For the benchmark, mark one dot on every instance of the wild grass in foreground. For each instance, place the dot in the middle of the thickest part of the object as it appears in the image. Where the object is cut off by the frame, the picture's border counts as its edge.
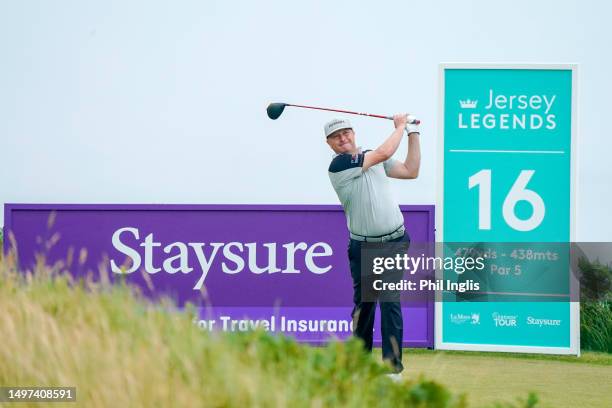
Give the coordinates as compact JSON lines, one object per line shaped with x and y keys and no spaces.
{"x":119,"y":350}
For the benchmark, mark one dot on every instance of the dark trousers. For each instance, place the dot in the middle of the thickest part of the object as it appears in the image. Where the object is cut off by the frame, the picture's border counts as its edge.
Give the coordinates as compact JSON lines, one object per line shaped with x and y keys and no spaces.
{"x":392,"y":324}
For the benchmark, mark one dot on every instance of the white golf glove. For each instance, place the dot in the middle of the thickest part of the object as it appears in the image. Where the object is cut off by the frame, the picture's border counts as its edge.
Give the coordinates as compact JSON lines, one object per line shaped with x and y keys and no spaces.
{"x":412,"y":127}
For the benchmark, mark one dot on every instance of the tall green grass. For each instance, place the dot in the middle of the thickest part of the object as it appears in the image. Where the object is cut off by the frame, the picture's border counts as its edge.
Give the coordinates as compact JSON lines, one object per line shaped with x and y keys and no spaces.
{"x":596,"y":326}
{"x":595,"y":306}
{"x":119,"y":350}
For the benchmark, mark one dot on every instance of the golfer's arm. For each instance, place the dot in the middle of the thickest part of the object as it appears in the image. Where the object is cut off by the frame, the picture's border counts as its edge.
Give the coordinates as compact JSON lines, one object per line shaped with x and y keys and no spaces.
{"x":409,"y":169}
{"x":384,"y":151}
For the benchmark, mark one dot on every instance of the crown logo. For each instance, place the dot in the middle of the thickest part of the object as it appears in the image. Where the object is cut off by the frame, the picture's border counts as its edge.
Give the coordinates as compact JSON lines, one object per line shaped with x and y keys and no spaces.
{"x":468,"y":104}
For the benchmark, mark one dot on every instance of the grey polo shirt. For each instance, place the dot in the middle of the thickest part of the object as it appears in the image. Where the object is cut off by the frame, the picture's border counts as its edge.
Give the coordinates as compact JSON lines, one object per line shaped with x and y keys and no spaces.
{"x":370,"y":208}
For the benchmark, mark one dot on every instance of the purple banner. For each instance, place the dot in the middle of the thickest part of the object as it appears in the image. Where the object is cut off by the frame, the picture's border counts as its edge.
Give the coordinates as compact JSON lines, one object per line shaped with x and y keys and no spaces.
{"x":237,"y":262}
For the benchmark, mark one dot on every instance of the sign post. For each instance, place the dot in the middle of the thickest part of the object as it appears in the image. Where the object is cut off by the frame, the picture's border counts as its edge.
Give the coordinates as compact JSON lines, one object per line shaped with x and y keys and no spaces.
{"x":507,"y":181}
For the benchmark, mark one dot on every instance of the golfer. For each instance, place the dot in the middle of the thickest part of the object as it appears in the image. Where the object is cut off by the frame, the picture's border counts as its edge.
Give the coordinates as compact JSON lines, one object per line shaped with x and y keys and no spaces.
{"x":360,"y":179}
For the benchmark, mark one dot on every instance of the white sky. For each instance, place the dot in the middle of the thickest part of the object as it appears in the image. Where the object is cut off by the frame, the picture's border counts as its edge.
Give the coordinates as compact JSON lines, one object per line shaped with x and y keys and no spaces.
{"x":164,"y":102}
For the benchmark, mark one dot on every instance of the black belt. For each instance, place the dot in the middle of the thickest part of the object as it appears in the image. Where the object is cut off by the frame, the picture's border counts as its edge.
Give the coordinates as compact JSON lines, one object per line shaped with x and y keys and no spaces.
{"x":381,"y":238}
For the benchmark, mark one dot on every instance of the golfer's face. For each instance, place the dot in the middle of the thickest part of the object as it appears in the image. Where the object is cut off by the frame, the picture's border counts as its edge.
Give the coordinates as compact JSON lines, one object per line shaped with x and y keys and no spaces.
{"x":342,"y":141}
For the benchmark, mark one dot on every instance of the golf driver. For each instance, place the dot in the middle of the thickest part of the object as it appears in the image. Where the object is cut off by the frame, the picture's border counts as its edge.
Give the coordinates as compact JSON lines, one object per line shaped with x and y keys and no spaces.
{"x":276,"y":109}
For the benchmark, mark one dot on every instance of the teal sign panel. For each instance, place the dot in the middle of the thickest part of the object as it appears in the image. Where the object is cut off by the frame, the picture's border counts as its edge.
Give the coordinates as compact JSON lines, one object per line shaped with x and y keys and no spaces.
{"x":507,"y":184}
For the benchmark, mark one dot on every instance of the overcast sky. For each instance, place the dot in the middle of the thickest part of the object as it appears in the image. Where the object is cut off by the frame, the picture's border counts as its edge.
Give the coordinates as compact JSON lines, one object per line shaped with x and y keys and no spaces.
{"x":164,"y":102}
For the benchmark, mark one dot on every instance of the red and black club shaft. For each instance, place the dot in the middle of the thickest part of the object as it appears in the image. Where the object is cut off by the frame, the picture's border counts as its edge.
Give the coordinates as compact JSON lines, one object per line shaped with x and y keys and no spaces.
{"x":274,"y":111}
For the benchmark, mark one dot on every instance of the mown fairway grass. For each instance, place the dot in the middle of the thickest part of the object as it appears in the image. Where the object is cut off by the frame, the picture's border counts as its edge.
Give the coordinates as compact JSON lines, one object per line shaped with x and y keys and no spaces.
{"x":559,"y":381}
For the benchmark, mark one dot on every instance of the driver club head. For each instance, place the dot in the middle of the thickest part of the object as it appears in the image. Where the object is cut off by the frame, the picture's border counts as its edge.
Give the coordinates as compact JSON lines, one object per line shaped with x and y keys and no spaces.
{"x":274,"y":110}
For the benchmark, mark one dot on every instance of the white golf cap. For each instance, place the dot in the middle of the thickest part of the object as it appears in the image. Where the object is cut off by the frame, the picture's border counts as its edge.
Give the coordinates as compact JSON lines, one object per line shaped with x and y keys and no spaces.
{"x":336,"y":124}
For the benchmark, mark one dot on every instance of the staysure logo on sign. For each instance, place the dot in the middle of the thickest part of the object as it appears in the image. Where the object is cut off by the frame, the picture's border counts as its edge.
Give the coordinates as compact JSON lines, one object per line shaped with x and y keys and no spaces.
{"x":230,"y":257}
{"x":534,"y":321}
{"x":503,"y":111}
